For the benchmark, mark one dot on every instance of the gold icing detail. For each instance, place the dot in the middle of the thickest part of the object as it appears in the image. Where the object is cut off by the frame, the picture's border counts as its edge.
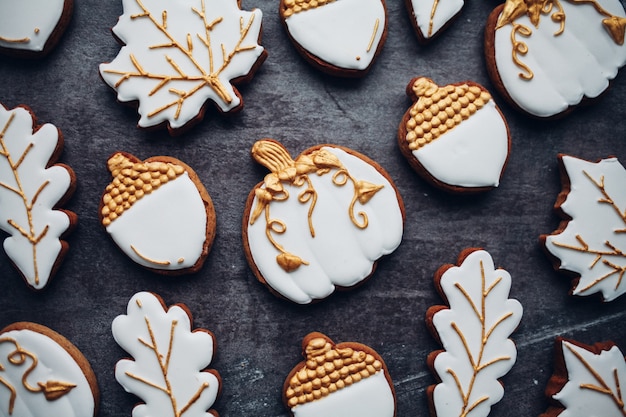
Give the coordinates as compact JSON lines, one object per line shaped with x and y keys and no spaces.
{"x":205,"y":78}
{"x":284,"y":169}
{"x":520,"y":48}
{"x":369,"y":45}
{"x":51,"y":389}
{"x":131,"y":182}
{"x":439,"y":109}
{"x":291,"y":7}
{"x":10,"y":40}
{"x":433,"y":10}
{"x":328,"y":369}
{"x":145,"y":258}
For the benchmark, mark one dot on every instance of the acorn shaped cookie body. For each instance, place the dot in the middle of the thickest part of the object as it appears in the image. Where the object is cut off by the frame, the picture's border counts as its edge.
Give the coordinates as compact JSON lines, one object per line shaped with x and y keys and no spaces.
{"x":547,"y":57}
{"x":454,"y":136}
{"x":344,"y":380}
{"x":158,"y":213}
{"x":340,"y":37}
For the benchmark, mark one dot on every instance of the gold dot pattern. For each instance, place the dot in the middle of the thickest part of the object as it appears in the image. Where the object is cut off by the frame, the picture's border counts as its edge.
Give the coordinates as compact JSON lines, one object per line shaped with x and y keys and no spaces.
{"x":132,"y":181}
{"x":440,"y":109}
{"x":291,"y":7}
{"x":328,"y":369}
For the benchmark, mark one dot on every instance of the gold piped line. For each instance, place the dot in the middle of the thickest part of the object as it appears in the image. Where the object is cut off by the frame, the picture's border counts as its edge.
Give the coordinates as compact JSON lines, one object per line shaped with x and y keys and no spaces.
{"x":145,"y":258}
{"x":369,"y":46}
{"x":432,"y":18}
{"x":22,"y":40}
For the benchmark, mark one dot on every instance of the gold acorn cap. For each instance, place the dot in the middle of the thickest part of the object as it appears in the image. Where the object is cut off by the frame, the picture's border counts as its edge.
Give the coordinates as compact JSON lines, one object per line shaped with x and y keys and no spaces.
{"x":132,"y":180}
{"x":439,"y":109}
{"x":291,"y":7}
{"x":328,"y":369}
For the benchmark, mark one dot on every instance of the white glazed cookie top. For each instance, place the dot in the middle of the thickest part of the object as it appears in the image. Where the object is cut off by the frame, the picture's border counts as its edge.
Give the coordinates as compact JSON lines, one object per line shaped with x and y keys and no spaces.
{"x":27,"y":24}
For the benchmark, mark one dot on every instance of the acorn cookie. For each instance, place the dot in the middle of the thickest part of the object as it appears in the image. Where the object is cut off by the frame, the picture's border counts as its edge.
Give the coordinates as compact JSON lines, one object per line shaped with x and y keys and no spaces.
{"x":454,"y":136}
{"x":344,"y":380}
{"x":431,"y":17}
{"x":158,"y":212}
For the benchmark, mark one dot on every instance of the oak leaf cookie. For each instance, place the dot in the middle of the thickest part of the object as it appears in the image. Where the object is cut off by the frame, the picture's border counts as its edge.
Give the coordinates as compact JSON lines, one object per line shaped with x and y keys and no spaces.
{"x":454,"y":136}
{"x":339,"y":37}
{"x":589,"y":243}
{"x":32,"y":28}
{"x":158,"y":212}
{"x":319,"y":222}
{"x":587,"y":380}
{"x":179,"y":55}
{"x":32,"y":187}
{"x":168,"y":369}
{"x":546,"y":57}
{"x":43,"y":374}
{"x":344,"y":380}
{"x":474,"y":331}
{"x":431,"y":17}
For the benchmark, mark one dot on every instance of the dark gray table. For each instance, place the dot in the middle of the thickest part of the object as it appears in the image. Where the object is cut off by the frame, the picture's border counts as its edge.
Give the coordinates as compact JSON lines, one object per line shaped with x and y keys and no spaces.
{"x":259,"y":335}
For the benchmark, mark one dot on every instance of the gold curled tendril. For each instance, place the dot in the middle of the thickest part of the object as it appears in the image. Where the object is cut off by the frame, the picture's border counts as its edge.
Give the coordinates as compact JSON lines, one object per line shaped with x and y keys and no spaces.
{"x":520,"y":48}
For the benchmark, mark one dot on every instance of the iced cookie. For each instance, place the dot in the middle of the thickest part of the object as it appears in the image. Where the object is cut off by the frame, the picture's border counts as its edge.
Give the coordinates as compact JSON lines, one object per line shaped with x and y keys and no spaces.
{"x":32,"y":28}
{"x":178,"y":56}
{"x":587,"y":380}
{"x":43,"y":374}
{"x":339,"y":37}
{"x":319,"y":222}
{"x":159,"y":213}
{"x":168,"y":369}
{"x":455,"y":136}
{"x":32,"y":187}
{"x":590,"y":241}
{"x":546,"y":57}
{"x":431,"y":17}
{"x":474,"y":330}
{"x":343,"y":380}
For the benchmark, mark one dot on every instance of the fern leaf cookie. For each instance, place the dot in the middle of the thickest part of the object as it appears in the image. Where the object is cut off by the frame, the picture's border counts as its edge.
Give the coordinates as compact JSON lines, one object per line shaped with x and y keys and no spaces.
{"x":454,"y":136}
{"x":158,"y":212}
{"x":431,"y":17}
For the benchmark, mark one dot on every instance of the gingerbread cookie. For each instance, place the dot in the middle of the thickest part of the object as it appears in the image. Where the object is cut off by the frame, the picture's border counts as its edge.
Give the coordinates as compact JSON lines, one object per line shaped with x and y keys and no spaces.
{"x":319,"y":222}
{"x":338,"y":37}
{"x":546,"y":57}
{"x":343,"y":380}
{"x":455,"y":136}
{"x":32,"y":28}
{"x":474,"y":331}
{"x":180,"y":55}
{"x":431,"y":17}
{"x":168,"y":369}
{"x":590,"y":240}
{"x":43,"y":374}
{"x":159,"y":213}
{"x":587,"y":380}
{"x":32,"y":186}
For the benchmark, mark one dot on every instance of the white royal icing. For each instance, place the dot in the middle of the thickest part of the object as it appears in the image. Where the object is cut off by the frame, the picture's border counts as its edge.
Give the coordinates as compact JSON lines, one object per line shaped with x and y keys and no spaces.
{"x":444,"y":11}
{"x":578,"y":63}
{"x":479,"y":385}
{"x":185,"y":26}
{"x":187,"y":354}
{"x":472,"y":154}
{"x":340,"y":32}
{"x":54,"y":363}
{"x":372,"y":396}
{"x":166,"y":225}
{"x":32,"y":174}
{"x":596,"y":223}
{"x":27,"y":24}
{"x":340,"y":254}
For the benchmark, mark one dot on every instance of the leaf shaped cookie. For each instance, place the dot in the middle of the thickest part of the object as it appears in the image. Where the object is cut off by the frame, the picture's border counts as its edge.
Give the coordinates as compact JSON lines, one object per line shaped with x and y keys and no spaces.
{"x":179,"y":55}
{"x":474,"y":331}
{"x":430,"y":17}
{"x":588,"y":380}
{"x":31,"y":187}
{"x":591,"y":240}
{"x":168,"y":369}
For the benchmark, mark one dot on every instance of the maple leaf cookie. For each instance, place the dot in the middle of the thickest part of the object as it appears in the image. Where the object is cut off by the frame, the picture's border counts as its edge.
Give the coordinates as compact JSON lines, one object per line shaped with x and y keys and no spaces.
{"x":548,"y":56}
{"x":159,"y":213}
{"x":43,"y":374}
{"x":339,"y":37}
{"x":179,"y":55}
{"x":590,"y":240}
{"x":319,"y":222}
{"x":454,"y":136}
{"x":431,"y":17}
{"x":32,"y":187}
{"x":344,"y":380}
{"x":32,"y":28}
